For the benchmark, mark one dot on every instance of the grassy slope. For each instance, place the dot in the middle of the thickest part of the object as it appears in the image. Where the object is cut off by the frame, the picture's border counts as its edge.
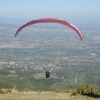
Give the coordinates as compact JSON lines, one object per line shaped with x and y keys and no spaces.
{"x":42,"y":96}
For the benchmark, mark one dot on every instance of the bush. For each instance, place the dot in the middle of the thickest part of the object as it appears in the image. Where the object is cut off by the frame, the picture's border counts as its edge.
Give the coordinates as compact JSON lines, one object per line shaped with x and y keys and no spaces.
{"x":59,"y":91}
{"x":74,"y":93}
{"x":1,"y":91}
{"x":8,"y":91}
{"x":4,"y":91}
{"x":86,"y":90}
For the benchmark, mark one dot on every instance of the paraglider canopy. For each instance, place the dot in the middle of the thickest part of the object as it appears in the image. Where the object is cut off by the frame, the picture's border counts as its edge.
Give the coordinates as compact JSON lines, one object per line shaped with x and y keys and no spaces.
{"x":51,"y":20}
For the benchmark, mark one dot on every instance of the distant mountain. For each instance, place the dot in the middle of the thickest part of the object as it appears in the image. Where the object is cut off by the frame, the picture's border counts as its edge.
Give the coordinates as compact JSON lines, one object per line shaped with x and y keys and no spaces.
{"x":8,"y":20}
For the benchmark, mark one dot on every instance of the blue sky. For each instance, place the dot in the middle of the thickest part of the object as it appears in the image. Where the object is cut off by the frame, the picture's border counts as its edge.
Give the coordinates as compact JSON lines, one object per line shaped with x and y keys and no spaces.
{"x":64,"y":9}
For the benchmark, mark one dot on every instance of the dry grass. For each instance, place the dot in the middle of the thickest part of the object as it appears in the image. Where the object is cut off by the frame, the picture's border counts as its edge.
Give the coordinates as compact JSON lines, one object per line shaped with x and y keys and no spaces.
{"x":42,"y":96}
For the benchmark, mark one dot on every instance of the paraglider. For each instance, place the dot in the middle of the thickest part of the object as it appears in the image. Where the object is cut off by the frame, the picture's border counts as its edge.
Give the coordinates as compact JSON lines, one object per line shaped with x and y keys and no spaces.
{"x":47,"y":73}
{"x":51,"y":20}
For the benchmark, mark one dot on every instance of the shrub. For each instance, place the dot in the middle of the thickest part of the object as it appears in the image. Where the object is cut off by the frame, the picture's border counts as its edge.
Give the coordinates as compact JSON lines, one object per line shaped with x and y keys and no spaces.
{"x":86,"y":90}
{"x":8,"y":91}
{"x":59,"y":91}
{"x":74,"y":93}
{"x":4,"y":91}
{"x":1,"y":91}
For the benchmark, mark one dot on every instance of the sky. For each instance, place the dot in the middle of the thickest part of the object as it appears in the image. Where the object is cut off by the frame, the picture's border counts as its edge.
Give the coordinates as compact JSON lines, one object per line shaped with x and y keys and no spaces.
{"x":64,"y":9}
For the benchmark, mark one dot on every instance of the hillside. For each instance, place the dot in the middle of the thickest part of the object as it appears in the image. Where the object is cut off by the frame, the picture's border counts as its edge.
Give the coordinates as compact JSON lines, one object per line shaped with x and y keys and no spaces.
{"x":42,"y":96}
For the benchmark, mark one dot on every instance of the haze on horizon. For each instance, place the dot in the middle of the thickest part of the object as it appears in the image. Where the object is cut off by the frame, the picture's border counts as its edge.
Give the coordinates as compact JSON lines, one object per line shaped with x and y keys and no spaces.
{"x":24,"y":10}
